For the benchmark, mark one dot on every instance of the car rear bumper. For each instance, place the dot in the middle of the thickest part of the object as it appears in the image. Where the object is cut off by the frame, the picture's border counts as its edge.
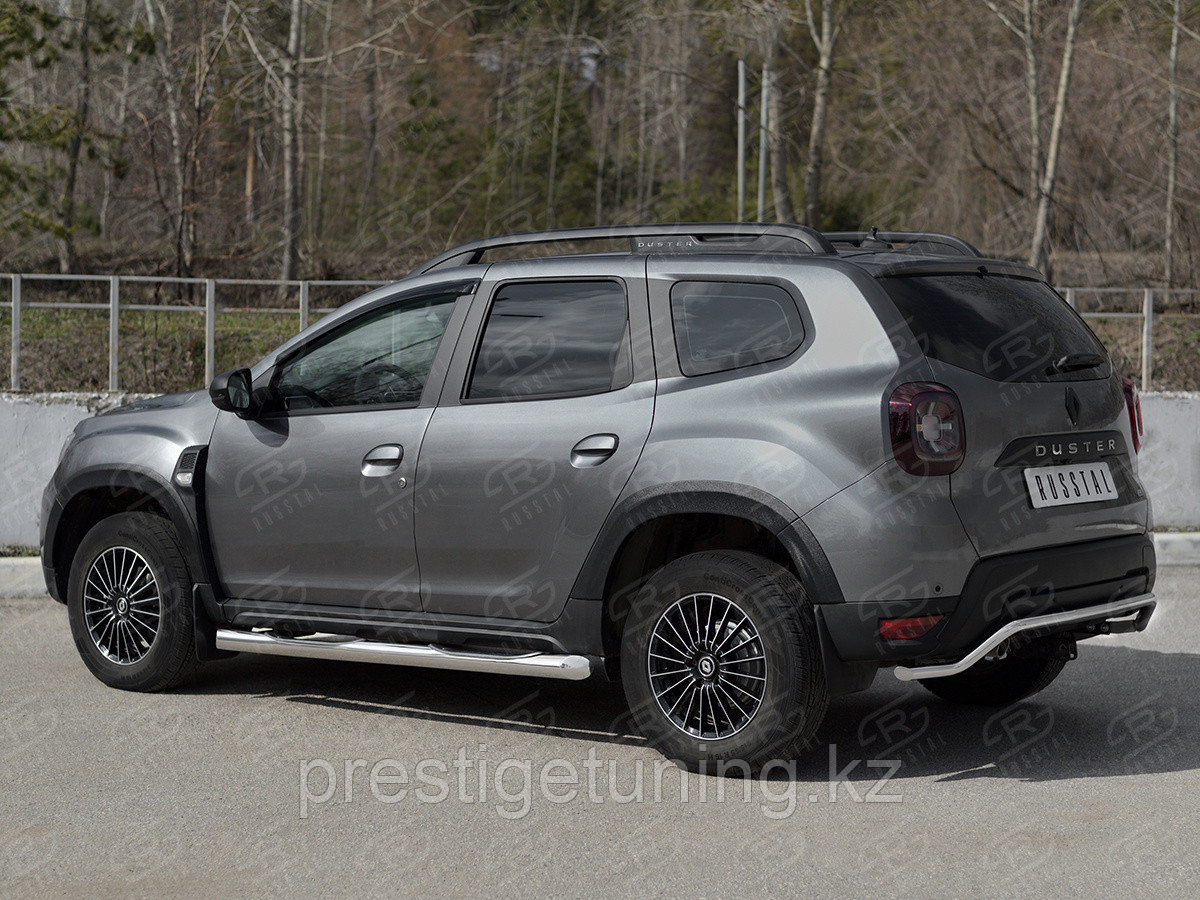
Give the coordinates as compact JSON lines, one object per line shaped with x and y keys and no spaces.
{"x":998,"y":591}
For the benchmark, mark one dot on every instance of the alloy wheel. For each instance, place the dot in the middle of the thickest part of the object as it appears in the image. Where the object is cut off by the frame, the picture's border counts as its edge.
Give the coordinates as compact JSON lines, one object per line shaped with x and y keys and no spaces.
{"x":707,"y":666}
{"x":122,"y":605}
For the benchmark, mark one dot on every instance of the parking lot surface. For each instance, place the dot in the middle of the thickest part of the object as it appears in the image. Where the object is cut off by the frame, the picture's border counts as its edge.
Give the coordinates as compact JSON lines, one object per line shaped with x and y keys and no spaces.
{"x":293,"y":776}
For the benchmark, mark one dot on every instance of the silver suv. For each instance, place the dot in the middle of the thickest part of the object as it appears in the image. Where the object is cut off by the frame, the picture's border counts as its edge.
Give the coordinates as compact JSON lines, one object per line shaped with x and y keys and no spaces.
{"x":739,"y":467}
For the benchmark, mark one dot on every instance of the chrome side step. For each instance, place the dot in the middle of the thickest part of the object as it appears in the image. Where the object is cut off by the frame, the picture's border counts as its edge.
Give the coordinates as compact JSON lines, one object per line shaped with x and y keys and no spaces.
{"x":327,"y":646}
{"x":1143,"y":605}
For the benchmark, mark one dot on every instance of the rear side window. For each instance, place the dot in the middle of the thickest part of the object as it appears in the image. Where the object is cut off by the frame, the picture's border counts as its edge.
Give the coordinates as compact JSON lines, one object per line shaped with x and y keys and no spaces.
{"x":723,"y":325}
{"x":553,"y":339}
{"x":1008,"y":329}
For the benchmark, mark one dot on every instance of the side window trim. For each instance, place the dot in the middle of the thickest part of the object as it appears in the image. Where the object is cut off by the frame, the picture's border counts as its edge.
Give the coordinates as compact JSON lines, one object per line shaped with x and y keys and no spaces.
{"x":481,"y":331}
{"x":464,"y":291}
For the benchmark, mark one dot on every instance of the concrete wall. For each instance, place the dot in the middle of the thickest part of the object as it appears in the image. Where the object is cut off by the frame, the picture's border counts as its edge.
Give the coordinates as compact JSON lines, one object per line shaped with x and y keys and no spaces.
{"x":1169,"y":464}
{"x":34,"y":427}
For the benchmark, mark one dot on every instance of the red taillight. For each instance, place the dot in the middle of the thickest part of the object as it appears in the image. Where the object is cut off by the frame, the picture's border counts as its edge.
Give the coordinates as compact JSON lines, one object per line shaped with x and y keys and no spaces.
{"x":1133,"y":405}
{"x":925,"y":422}
{"x":906,"y":629}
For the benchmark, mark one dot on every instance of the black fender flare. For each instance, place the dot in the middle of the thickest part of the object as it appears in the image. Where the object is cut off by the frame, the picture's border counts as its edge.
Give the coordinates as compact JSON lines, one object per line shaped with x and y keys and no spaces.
{"x":708,"y":497}
{"x":743,"y":502}
{"x":182,"y":512}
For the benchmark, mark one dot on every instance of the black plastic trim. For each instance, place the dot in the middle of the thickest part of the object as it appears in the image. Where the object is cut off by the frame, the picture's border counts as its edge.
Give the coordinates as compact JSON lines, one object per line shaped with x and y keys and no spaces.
{"x":700,"y":498}
{"x":998,"y":590}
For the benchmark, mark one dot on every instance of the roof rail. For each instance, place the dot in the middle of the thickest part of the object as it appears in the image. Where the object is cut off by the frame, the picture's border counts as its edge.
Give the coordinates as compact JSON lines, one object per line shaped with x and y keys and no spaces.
{"x":740,"y":236}
{"x":913,"y":238}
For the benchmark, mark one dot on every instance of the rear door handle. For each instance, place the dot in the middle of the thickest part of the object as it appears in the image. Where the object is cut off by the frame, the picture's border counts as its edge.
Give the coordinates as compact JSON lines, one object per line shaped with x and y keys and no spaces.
{"x":593,"y":450}
{"x":382,"y":460}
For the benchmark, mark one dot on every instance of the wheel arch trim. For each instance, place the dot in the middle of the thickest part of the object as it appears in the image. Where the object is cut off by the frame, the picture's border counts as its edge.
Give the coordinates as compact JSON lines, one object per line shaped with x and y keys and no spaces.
{"x":707,"y":498}
{"x":136,"y":478}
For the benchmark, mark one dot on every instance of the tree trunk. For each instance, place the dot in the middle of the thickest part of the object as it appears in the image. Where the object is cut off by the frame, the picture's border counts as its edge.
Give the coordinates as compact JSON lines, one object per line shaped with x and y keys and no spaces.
{"x":318,"y":199}
{"x":1037,"y":250}
{"x":292,"y":183}
{"x":370,"y":116}
{"x":1033,"y":91}
{"x":784,"y":210}
{"x":164,"y":49}
{"x":248,"y":185}
{"x":556,"y":122}
{"x":122,"y":115}
{"x":1172,"y":147}
{"x":816,"y":135}
{"x":66,"y":242}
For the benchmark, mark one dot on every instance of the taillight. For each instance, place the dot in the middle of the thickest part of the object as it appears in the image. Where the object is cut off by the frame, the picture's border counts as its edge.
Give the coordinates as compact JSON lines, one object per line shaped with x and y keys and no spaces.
{"x":926,"y":425}
{"x":1133,"y":405}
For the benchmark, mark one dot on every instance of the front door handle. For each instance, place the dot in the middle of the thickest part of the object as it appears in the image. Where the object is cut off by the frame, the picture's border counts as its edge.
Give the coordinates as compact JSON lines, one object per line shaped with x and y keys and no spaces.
{"x":593,"y":450}
{"x":382,"y":460}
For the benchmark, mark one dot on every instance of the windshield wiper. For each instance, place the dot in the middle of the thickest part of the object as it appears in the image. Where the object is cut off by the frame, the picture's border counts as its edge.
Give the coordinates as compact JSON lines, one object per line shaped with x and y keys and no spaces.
{"x":1073,"y":362}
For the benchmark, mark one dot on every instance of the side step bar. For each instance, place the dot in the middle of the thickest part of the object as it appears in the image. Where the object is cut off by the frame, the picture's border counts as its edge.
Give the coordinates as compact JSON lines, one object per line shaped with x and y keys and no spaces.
{"x":1143,"y":605}
{"x":544,"y":665}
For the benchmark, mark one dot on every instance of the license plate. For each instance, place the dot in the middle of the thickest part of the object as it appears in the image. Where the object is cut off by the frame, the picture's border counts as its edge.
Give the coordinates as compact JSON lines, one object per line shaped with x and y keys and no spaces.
{"x":1062,"y":485}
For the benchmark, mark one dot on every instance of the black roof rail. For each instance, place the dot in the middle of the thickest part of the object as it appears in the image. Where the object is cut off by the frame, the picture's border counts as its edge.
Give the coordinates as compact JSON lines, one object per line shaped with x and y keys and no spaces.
{"x":914,"y":238}
{"x":755,"y":237}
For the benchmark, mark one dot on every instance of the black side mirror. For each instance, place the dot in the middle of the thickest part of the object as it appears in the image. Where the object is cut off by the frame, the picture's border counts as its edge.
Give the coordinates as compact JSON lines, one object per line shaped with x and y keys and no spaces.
{"x":232,"y":392}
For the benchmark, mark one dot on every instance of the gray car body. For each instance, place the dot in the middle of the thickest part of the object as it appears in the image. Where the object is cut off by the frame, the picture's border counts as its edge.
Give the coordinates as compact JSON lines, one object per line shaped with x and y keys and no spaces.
{"x":797,"y":447}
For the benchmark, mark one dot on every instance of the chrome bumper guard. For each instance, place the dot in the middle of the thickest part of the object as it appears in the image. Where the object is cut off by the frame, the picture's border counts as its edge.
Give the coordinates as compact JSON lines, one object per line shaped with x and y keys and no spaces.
{"x":1142,"y":605}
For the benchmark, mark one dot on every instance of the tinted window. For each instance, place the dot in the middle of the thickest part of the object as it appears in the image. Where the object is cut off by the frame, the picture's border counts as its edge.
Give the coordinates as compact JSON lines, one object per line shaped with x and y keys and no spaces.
{"x":1009,"y":329}
{"x":724,"y":325}
{"x":552,"y":339}
{"x":380,"y":358}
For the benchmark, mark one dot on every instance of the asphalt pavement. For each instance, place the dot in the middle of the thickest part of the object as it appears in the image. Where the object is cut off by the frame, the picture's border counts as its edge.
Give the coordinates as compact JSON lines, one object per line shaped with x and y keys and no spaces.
{"x":291,"y":776}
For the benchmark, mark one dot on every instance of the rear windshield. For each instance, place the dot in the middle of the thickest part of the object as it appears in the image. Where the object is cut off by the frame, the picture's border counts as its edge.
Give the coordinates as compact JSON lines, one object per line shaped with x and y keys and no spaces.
{"x":1008,"y":329}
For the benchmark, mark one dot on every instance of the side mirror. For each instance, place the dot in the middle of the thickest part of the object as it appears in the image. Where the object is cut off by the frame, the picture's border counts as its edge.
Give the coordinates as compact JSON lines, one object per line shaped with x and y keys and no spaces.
{"x":233,"y":392}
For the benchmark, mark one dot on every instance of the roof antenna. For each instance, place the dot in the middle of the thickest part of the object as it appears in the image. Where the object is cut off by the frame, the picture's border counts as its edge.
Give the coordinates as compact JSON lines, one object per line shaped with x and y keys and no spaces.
{"x":874,"y":232}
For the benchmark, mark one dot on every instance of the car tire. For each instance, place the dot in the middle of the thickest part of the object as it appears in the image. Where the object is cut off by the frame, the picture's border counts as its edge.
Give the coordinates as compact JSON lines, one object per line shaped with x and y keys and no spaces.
{"x":129,"y":602}
{"x":1022,"y":673}
{"x":754,"y":691}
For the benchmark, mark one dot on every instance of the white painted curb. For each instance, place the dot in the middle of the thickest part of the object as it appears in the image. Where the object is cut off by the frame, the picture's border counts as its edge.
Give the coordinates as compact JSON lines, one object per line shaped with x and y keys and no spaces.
{"x":1177,"y":548}
{"x":21,"y":576}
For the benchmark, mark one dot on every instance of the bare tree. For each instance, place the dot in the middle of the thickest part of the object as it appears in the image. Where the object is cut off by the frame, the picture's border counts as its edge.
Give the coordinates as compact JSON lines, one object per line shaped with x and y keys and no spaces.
{"x":293,"y":181}
{"x":824,"y":31}
{"x":1037,"y":250}
{"x":1172,"y":145}
{"x":83,"y":100}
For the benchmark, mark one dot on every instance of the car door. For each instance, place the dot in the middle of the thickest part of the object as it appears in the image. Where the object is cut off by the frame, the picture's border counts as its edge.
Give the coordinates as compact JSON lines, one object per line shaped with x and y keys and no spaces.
{"x":311,"y":502}
{"x":545,"y":411}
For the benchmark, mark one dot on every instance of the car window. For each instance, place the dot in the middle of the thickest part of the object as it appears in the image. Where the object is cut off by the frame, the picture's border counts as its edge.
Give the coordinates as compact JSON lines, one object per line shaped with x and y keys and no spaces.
{"x":723,"y":325}
{"x":553,"y":339}
{"x":1008,"y":329}
{"x":379,"y":358}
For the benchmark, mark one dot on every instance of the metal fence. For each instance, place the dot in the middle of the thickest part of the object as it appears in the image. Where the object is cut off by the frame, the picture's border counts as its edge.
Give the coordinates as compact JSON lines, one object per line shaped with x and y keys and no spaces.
{"x":1082,"y":298}
{"x":210,"y":310}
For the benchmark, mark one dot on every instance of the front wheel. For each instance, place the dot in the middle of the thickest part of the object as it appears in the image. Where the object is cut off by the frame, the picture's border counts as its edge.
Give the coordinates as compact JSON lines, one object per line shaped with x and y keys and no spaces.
{"x":721,"y":662}
{"x":129,"y":603}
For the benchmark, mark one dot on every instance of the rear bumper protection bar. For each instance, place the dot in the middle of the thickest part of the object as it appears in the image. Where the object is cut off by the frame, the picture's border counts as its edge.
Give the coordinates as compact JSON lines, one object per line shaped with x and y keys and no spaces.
{"x":544,"y":665}
{"x":1142,"y":605}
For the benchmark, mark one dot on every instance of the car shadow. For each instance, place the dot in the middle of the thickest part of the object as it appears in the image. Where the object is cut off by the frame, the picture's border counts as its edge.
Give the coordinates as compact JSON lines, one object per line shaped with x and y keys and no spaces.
{"x":1114,"y":711}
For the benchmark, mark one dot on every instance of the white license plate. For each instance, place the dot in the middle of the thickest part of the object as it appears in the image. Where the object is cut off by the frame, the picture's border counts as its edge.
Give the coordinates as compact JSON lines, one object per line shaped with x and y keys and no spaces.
{"x":1062,"y":485}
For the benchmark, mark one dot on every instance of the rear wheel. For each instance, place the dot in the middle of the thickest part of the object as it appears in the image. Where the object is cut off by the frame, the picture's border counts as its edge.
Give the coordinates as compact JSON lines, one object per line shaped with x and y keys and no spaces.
{"x":129,"y":602}
{"x":721,"y":663}
{"x":1022,"y":673}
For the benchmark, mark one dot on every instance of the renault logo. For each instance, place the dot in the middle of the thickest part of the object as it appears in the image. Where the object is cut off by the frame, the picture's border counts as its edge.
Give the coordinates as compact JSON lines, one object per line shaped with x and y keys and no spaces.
{"x":1073,"y":406}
